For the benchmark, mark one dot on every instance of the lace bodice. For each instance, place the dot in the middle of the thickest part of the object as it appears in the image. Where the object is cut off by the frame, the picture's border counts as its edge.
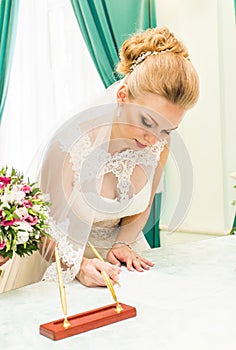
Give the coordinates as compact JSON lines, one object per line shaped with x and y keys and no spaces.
{"x":121,"y":164}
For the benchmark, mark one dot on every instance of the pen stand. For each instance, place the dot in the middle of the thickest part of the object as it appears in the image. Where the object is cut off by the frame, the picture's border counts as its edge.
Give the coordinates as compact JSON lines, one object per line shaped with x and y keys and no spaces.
{"x":87,"y":321}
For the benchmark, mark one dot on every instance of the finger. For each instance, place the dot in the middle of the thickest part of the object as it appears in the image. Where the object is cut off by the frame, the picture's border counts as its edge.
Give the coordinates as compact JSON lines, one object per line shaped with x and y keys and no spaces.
{"x":94,"y":279}
{"x":129,"y":263}
{"x":113,"y":260}
{"x":147,"y":262}
{"x":144,"y":265}
{"x":137,"y":264}
{"x":113,"y":272}
{"x":101,"y":281}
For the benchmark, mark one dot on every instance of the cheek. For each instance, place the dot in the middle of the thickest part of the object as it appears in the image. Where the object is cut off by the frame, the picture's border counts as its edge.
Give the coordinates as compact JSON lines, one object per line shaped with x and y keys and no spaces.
{"x":134,"y":130}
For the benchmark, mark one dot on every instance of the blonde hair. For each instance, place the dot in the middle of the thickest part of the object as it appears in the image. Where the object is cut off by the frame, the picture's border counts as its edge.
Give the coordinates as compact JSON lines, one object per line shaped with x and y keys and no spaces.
{"x":166,"y":70}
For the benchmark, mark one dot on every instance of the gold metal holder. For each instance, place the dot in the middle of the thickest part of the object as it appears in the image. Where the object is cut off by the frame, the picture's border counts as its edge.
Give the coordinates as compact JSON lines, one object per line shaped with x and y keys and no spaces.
{"x":87,"y":320}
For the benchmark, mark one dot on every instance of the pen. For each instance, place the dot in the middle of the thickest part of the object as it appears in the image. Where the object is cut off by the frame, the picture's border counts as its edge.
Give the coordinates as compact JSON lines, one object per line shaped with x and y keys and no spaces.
{"x":99,"y":257}
{"x":107,"y":280}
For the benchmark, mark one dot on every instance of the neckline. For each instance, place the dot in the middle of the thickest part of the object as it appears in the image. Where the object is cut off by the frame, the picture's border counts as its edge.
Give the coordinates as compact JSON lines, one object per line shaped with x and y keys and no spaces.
{"x":131,"y":198}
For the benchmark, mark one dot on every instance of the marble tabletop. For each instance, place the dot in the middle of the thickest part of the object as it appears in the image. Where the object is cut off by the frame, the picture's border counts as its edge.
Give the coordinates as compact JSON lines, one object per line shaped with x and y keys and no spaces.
{"x":187,"y":301}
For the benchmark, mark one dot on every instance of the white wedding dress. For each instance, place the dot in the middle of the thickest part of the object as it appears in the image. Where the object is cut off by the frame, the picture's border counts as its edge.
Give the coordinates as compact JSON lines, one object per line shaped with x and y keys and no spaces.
{"x":106,"y":223}
{"x":91,"y":214}
{"x":106,"y":212}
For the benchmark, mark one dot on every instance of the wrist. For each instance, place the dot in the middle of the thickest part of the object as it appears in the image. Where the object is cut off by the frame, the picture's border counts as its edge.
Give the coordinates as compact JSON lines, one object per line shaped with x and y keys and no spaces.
{"x":121,"y":243}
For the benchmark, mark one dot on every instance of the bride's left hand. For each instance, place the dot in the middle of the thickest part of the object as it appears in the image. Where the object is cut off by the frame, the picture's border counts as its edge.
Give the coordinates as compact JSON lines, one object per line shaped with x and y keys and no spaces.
{"x":124,"y":254}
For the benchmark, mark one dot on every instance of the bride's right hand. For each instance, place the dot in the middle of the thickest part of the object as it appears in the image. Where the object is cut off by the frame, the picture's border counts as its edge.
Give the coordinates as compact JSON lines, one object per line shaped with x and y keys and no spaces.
{"x":90,"y":272}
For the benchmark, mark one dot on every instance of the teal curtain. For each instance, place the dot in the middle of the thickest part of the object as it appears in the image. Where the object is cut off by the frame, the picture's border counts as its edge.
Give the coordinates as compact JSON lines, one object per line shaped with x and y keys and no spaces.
{"x":105,"y":24}
{"x":8,"y":24}
{"x":151,"y":229}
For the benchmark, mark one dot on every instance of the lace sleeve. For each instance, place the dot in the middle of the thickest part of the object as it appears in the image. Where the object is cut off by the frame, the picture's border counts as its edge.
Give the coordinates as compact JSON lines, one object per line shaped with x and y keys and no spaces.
{"x":70,"y":256}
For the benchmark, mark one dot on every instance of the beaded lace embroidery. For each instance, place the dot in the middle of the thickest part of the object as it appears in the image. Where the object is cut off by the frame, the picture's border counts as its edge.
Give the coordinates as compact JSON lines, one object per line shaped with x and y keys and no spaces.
{"x":120,"y":164}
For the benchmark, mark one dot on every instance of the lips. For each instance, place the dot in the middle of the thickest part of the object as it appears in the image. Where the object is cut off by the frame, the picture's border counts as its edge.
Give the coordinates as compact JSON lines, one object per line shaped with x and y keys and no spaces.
{"x":140,"y":145}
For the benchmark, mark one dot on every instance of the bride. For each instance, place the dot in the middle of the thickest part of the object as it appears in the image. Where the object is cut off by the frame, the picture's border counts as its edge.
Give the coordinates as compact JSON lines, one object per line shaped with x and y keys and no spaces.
{"x":102,"y":167}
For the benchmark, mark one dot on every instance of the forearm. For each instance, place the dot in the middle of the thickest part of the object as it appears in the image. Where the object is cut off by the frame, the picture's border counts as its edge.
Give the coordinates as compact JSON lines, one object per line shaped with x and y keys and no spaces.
{"x":131,"y":226}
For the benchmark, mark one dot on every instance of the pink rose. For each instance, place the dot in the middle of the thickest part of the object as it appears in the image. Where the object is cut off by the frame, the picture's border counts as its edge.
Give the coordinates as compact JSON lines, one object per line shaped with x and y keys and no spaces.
{"x":2,"y":244}
{"x":27,"y":204}
{"x":8,"y":223}
{"x":32,"y":220}
{"x":26,"y":189}
{"x":5,"y":180}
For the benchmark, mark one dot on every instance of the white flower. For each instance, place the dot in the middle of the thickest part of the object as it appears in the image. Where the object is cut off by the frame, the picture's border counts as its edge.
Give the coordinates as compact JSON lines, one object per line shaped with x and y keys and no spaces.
{"x":22,"y":237}
{"x":36,"y":208}
{"x":15,"y":196}
{"x":4,"y":200}
{"x":21,"y":212}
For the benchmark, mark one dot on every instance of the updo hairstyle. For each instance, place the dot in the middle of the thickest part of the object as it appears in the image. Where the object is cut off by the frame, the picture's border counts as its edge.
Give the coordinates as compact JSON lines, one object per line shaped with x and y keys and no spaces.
{"x":166,"y":71}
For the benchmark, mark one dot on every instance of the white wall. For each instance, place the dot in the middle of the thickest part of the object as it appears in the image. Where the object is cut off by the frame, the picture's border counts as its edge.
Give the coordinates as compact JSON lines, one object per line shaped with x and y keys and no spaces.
{"x":209,"y":129}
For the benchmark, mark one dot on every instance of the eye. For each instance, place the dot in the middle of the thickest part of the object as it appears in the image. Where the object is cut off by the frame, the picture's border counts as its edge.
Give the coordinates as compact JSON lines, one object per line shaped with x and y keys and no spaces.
{"x":146,"y":122}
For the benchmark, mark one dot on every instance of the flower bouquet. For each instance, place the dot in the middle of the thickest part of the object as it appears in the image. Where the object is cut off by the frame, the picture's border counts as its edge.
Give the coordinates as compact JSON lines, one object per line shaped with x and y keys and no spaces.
{"x":24,"y":215}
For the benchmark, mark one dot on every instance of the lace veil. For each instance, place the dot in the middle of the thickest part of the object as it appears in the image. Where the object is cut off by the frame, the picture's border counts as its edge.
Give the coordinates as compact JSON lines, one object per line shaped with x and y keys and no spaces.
{"x":72,"y":172}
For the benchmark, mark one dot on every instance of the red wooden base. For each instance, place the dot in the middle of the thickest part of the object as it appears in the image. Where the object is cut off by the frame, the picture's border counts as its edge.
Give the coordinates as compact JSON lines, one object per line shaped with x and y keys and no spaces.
{"x":86,"y":321}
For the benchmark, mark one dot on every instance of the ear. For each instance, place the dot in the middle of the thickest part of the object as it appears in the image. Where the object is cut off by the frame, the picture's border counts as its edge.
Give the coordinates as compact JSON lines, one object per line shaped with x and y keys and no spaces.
{"x":122,"y":93}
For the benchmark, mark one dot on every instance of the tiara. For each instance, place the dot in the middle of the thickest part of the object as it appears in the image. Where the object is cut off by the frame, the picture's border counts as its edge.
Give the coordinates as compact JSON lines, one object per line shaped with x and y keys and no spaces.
{"x":141,"y":58}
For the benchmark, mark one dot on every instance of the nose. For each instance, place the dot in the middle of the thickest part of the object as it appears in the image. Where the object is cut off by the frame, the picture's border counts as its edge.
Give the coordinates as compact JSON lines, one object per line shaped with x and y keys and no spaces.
{"x":151,"y":139}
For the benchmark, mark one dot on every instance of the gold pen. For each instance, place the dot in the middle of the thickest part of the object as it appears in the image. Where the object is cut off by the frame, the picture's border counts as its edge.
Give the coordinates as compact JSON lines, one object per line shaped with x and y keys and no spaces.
{"x":62,"y":289}
{"x":107,"y":280}
{"x":99,"y":257}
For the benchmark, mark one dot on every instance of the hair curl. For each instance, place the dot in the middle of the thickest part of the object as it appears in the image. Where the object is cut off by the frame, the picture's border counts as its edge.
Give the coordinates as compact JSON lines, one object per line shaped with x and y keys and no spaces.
{"x":169,"y":73}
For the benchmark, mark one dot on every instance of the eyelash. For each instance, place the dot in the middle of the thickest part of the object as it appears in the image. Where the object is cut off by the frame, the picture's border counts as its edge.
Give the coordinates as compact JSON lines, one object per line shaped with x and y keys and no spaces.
{"x":144,"y":121}
{"x":166,"y":132}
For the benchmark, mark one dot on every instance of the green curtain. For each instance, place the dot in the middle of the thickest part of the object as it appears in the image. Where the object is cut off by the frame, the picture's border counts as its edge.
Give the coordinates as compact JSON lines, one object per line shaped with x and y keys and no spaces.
{"x":151,"y":229}
{"x":105,"y":24}
{"x":8,"y":23}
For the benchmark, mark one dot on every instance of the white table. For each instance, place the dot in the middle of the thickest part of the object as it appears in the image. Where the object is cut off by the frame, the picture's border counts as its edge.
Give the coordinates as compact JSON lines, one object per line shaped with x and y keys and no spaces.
{"x":187,"y":301}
